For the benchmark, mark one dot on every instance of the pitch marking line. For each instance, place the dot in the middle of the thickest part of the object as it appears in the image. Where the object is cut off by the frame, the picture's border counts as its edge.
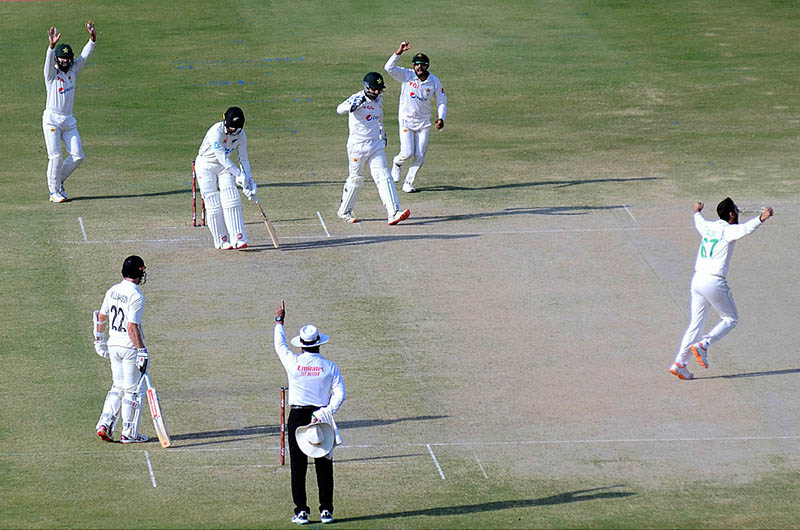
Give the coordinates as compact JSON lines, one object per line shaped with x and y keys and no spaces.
{"x":441,"y":473}
{"x":480,"y":465}
{"x":323,"y":225}
{"x":629,"y":213}
{"x":83,"y":229}
{"x":150,"y":468}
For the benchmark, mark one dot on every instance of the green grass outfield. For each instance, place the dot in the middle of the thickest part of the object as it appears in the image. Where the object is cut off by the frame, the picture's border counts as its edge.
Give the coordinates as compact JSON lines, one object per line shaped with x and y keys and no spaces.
{"x":563,"y":117}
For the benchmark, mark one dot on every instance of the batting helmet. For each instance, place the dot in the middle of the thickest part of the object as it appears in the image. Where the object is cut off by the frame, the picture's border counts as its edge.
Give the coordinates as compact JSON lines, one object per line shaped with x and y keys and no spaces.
{"x":133,"y":267}
{"x":420,"y":58}
{"x":374,"y":80}
{"x":65,"y":51}
{"x":234,"y":118}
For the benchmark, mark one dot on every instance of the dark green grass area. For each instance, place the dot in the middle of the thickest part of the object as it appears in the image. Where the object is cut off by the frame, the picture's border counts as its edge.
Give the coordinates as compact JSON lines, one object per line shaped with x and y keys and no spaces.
{"x":551,"y":104}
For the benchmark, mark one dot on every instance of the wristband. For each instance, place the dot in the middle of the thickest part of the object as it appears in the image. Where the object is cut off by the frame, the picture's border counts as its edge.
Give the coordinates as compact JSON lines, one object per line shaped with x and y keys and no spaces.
{"x":279,"y":320}
{"x":141,"y":351}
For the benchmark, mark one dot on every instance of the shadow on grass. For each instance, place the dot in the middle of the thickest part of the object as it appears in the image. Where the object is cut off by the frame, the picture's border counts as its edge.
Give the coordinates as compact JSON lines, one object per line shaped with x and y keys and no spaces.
{"x":348,"y":241}
{"x":543,"y":210}
{"x":554,"y":183}
{"x":466,"y":509}
{"x":752,"y":374}
{"x":232,"y":435}
{"x":188,"y":190}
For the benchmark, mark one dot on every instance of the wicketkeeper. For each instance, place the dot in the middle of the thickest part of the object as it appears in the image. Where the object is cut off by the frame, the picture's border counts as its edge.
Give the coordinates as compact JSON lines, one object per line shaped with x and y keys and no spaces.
{"x":366,"y":147}
{"x":61,"y":71}
{"x":213,"y":166}
{"x":418,"y":88}
{"x":121,"y":312}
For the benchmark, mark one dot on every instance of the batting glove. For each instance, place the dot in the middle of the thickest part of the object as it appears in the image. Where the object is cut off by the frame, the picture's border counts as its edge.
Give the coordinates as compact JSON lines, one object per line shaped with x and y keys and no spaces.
{"x":249,"y":189}
{"x":101,"y":348}
{"x":142,"y":358}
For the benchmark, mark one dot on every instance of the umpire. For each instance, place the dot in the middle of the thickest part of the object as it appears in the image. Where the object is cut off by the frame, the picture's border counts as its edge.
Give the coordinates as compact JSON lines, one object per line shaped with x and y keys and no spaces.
{"x":316,"y":391}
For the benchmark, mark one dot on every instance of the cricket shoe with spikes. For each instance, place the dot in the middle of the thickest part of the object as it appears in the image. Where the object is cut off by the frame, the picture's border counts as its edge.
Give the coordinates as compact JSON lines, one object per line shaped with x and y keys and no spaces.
{"x":57,"y":197}
{"x":300,"y":518}
{"x":399,"y":216}
{"x":395,"y":173}
{"x":226,"y":245}
{"x":349,"y":217}
{"x":138,"y":439}
{"x":700,"y":353}
{"x":104,"y":432}
{"x":240,"y":245}
{"x":408,"y":188}
{"x":680,"y":371}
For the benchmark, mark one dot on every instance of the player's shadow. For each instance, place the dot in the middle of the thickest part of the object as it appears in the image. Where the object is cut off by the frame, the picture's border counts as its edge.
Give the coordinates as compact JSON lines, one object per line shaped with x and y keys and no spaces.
{"x":514,"y":185}
{"x":332,"y":242}
{"x":593,"y":494}
{"x":751,"y":374}
{"x":129,"y":195}
{"x":541,"y":210}
{"x":243,"y":433}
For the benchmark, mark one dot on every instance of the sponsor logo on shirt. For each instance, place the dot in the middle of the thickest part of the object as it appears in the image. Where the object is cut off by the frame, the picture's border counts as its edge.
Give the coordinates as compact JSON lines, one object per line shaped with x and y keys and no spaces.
{"x":309,"y":371}
{"x":369,"y":117}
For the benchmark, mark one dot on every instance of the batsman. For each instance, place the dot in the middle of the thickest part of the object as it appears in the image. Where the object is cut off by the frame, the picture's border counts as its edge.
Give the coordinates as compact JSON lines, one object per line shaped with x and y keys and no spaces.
{"x":214,"y":167}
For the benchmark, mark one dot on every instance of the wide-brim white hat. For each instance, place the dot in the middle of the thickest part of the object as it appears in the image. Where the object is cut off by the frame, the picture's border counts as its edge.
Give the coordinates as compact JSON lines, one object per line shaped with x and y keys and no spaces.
{"x":316,"y":439}
{"x":309,"y":337}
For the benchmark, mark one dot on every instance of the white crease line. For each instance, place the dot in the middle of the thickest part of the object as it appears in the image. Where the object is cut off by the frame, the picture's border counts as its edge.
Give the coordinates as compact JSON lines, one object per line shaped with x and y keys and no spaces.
{"x":481,"y":466}
{"x":109,"y":241}
{"x":150,"y":468}
{"x":629,"y":213}
{"x":249,"y":448}
{"x":323,"y":224}
{"x":83,"y":229}
{"x":441,"y":474}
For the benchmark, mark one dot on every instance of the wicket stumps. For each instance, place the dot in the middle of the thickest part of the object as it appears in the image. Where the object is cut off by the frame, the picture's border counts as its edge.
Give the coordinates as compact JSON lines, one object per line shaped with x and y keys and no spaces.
{"x":283,"y":424}
{"x":194,"y":201}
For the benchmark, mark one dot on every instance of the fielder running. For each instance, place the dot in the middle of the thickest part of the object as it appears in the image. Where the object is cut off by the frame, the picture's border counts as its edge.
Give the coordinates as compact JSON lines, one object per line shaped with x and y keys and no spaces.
{"x":58,"y":123}
{"x":709,"y":285}
{"x":316,"y":391}
{"x":122,"y":311}
{"x":418,"y":88}
{"x":213,"y":163}
{"x":366,"y":146}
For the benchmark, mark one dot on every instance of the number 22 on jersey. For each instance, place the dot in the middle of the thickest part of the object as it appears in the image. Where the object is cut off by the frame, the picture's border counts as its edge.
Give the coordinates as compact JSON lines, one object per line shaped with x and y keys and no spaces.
{"x":117,"y":319}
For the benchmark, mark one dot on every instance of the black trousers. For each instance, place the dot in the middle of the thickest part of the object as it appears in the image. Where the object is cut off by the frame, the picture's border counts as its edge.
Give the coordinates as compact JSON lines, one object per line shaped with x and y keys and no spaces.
{"x":299,"y":465}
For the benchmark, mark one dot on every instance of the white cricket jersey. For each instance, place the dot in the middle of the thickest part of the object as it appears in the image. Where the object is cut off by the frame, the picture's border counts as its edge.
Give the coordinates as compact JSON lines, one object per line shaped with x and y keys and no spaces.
{"x":313,"y":379}
{"x":366,"y":122}
{"x":60,"y":85}
{"x":416,"y":95}
{"x":716,"y":247}
{"x":218,"y":146}
{"x":123,"y":304}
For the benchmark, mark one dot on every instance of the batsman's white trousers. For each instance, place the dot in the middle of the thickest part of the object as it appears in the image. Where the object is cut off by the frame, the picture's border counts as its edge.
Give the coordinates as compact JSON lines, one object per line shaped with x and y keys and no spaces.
{"x":125,"y":393}
{"x":714,"y":291}
{"x":372,"y":154}
{"x":58,"y":127}
{"x":413,"y":145}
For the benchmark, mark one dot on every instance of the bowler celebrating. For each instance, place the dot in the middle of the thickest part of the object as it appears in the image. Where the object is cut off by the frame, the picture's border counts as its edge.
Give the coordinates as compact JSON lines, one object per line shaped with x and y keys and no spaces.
{"x":418,"y":88}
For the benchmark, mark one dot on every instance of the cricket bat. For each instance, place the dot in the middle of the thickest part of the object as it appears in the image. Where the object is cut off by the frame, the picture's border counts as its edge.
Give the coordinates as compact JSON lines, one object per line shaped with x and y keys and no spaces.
{"x":270,"y":229}
{"x":155,"y":410}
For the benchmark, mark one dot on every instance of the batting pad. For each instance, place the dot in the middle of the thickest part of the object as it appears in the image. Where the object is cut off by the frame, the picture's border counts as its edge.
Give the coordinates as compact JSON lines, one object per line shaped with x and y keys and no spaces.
{"x":232,"y":211}
{"x":214,"y":218}
{"x":350,"y":193}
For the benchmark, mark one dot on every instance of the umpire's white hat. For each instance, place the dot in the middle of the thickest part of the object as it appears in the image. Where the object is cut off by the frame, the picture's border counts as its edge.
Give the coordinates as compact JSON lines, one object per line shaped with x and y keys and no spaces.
{"x":315,"y":440}
{"x":309,"y":337}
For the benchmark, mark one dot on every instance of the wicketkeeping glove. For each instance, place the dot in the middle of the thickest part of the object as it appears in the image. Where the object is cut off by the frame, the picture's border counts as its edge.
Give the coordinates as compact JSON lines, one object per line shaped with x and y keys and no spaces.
{"x":142,"y":358}
{"x":357,"y":102}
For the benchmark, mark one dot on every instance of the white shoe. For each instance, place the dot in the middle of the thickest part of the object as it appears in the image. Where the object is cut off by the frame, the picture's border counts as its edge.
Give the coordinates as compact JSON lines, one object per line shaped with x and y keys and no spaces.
{"x":325,"y":517}
{"x":349,"y":217}
{"x":240,"y":245}
{"x":226,"y":245}
{"x":57,"y":197}
{"x":408,"y":188}
{"x":395,"y":173}
{"x":700,"y":353}
{"x":139,"y":439}
{"x":300,"y":518}
{"x":399,"y":216}
{"x":680,"y":371}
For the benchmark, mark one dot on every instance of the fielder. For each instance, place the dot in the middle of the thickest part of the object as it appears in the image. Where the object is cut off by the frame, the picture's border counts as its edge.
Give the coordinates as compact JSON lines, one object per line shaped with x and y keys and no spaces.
{"x":213,"y":163}
{"x":58,"y":123}
{"x":709,"y":286}
{"x":122,"y":310}
{"x":366,"y":146}
{"x":418,"y":88}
